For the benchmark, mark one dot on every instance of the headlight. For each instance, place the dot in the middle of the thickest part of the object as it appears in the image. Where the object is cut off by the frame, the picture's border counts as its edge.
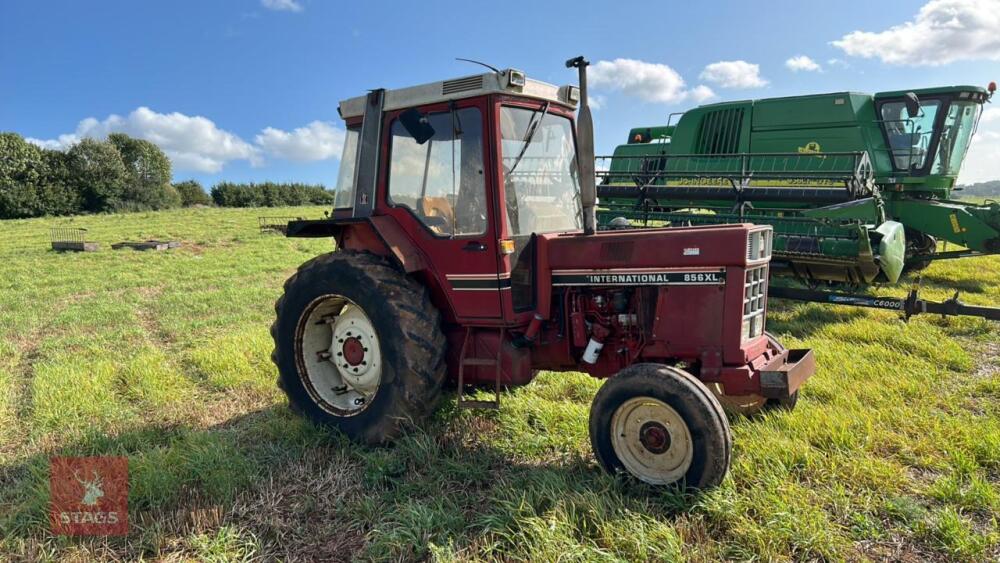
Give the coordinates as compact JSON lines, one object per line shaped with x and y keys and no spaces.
{"x":752,"y":327}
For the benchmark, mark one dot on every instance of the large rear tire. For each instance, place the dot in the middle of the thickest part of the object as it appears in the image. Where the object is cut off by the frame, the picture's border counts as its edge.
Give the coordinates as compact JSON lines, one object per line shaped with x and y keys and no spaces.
{"x":358,"y":346}
{"x":662,"y":426}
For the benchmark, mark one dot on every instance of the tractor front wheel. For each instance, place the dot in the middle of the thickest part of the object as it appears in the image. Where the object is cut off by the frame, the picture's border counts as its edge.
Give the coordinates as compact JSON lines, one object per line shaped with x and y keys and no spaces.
{"x":358,"y":346}
{"x":662,"y":426}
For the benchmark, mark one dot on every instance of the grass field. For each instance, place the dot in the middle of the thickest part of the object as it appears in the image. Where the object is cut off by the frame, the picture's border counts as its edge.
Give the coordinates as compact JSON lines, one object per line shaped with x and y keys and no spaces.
{"x":893,"y":452}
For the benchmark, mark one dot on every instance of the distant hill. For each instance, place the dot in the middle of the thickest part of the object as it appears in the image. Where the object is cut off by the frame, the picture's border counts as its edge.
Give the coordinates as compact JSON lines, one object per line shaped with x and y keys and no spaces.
{"x":984,"y":189}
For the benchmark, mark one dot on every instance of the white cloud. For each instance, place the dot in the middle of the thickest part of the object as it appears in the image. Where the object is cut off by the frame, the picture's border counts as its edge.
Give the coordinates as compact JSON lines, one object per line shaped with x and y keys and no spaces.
{"x":318,"y":140}
{"x":282,"y":5}
{"x":990,"y":115}
{"x":701,"y":93}
{"x":62,"y":142}
{"x":733,"y":74}
{"x":802,"y":63}
{"x":983,"y":160}
{"x":943,"y":31}
{"x":191,"y":142}
{"x":651,"y":82}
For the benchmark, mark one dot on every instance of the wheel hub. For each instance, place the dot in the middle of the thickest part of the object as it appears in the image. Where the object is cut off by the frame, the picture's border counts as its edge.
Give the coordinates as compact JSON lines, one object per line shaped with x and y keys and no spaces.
{"x":654,"y":437}
{"x":353,"y":351}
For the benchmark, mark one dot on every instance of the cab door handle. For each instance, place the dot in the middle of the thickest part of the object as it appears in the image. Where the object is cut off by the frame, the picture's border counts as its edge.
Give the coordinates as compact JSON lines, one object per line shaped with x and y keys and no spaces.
{"x":474,"y":246}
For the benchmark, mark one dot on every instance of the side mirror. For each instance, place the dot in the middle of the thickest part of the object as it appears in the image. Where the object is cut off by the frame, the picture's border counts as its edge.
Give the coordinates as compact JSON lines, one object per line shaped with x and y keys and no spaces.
{"x":912,"y":105}
{"x":416,"y":125}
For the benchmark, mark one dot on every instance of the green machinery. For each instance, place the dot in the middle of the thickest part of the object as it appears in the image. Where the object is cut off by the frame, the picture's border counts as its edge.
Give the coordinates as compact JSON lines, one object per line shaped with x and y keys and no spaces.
{"x":857,"y":187}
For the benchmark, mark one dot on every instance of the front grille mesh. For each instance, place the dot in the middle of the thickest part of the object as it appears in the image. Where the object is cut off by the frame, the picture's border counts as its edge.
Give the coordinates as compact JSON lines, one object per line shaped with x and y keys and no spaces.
{"x":754,"y":291}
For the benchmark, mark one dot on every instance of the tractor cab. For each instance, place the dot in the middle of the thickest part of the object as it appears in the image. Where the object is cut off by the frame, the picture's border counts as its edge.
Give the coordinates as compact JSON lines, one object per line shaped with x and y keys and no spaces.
{"x":470,"y":169}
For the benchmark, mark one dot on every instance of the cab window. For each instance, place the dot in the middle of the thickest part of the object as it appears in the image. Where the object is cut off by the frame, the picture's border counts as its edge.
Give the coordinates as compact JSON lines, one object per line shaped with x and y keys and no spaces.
{"x":909,"y":137}
{"x":343,"y":194}
{"x":441,"y":181}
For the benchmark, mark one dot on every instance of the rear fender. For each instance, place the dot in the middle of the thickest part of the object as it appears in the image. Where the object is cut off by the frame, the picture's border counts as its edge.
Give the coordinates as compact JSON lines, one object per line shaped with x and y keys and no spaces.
{"x":378,"y":234}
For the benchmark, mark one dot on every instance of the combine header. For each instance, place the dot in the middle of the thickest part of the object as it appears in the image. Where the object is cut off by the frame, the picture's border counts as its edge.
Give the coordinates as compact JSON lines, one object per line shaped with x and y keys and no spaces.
{"x":857,"y":187}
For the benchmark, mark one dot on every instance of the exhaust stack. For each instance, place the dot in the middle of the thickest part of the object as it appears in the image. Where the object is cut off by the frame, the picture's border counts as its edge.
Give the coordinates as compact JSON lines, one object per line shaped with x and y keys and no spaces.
{"x":585,"y":151}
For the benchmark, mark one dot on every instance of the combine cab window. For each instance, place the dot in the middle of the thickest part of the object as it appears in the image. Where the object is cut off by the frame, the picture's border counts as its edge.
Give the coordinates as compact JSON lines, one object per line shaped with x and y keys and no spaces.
{"x":959,"y":123}
{"x":909,"y":138}
{"x":343,"y":197}
{"x":441,"y":181}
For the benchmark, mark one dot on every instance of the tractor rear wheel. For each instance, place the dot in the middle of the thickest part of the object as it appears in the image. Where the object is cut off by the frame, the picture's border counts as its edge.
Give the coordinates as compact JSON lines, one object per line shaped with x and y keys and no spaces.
{"x":358,"y":346}
{"x":662,"y":426}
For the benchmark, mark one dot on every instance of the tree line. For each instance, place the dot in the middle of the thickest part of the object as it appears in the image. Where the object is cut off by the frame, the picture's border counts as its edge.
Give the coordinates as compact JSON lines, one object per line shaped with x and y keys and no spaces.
{"x":120,"y":173}
{"x":982,"y":189}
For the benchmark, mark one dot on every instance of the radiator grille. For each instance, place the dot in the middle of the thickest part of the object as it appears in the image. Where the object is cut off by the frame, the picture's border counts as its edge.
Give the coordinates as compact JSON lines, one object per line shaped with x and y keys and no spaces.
{"x":754,"y":291}
{"x":462,"y":85}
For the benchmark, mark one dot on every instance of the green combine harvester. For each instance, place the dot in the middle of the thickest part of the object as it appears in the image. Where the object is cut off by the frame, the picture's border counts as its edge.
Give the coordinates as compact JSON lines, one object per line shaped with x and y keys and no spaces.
{"x":857,"y":187}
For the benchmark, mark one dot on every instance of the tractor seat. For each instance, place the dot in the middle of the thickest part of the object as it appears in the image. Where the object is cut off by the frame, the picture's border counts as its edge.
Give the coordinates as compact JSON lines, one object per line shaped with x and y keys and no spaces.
{"x":440,"y":215}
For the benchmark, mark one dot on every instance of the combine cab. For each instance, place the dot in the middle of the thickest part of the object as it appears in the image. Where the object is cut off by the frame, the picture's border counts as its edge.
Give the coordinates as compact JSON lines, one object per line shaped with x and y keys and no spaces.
{"x":857,"y":187}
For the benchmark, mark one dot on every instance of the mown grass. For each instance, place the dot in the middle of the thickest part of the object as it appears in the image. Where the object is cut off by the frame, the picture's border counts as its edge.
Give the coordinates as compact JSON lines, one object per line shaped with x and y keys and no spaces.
{"x":893,"y":452}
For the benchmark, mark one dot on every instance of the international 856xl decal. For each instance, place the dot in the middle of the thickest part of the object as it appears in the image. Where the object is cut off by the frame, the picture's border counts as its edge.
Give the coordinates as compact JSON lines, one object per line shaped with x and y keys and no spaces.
{"x":639,"y":277}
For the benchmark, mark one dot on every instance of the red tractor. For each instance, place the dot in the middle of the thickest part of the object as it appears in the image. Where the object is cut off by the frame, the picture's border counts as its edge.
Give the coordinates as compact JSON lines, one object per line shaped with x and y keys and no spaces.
{"x":466,"y":253}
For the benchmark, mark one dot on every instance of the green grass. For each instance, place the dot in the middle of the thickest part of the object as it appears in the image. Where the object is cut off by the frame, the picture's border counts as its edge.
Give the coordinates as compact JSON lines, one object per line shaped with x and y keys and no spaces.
{"x":892,"y":453}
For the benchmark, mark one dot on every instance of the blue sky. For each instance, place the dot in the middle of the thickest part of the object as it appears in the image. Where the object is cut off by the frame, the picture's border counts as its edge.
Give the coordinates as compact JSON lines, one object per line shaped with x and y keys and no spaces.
{"x":248,"y":89}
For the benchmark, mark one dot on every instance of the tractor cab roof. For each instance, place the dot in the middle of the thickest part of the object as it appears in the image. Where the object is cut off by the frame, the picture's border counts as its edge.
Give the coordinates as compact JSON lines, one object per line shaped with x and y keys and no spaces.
{"x":510,"y":81}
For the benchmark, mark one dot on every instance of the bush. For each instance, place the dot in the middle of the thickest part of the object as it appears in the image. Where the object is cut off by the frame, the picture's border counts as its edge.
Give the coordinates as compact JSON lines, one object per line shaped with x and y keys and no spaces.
{"x":269,"y":194}
{"x":148,"y":169}
{"x":98,"y":172}
{"x":191,"y":193}
{"x":22,"y":168}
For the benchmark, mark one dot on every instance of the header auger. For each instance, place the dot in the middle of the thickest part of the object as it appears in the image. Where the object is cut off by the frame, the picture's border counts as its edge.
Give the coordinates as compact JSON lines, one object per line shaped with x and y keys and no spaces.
{"x":466,"y":251}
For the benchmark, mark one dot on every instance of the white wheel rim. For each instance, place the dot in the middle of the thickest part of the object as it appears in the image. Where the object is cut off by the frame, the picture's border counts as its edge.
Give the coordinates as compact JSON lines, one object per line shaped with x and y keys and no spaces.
{"x":652,"y":440}
{"x":338,"y":355}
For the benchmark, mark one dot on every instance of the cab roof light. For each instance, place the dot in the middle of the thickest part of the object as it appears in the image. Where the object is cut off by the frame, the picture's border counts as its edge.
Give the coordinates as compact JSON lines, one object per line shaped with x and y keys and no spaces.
{"x":515,"y":78}
{"x":569,"y":94}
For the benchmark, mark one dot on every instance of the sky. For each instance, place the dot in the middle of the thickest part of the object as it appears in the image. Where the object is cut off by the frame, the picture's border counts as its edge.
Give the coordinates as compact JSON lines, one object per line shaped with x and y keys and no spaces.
{"x":247,"y":90}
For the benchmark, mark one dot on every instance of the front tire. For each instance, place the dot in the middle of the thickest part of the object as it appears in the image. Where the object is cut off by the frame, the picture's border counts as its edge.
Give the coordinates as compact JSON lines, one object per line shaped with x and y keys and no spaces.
{"x":358,"y":346}
{"x":662,"y":426}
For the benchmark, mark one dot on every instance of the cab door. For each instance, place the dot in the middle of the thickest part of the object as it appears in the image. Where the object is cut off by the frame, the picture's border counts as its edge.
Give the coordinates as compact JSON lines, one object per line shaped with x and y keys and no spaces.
{"x":438,"y":190}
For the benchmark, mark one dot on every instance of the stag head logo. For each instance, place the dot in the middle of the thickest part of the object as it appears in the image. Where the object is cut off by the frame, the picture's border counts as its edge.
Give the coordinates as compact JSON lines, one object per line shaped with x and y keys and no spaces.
{"x":93,"y":489}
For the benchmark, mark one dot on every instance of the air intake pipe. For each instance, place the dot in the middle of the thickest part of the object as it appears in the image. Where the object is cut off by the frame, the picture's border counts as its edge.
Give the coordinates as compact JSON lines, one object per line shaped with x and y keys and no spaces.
{"x":585,"y":151}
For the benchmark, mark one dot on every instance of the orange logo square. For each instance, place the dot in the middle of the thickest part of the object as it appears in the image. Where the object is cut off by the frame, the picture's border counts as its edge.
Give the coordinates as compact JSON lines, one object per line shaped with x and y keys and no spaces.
{"x":89,"y":496}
